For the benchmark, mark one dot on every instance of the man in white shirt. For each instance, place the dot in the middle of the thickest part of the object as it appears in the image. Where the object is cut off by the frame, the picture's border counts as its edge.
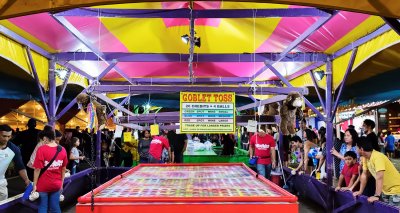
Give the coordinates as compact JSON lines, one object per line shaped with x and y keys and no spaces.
{"x":9,"y":152}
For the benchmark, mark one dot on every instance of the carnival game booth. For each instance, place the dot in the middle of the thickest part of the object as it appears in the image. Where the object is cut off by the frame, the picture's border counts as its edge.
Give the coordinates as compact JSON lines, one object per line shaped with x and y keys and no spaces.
{"x":135,"y":55}
{"x":188,"y":187}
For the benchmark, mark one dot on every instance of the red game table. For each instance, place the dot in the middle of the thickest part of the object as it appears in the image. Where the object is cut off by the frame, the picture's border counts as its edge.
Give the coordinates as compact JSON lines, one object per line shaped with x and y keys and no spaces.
{"x":189,"y":188}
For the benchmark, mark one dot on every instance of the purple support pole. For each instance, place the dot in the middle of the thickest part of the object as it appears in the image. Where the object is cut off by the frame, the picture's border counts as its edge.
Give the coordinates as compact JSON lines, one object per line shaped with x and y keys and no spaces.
{"x":32,"y":64}
{"x":346,"y":75}
{"x":157,"y":89}
{"x":252,"y":97}
{"x":105,"y":71}
{"x":185,"y":13}
{"x":52,"y":94}
{"x":274,"y":99}
{"x":123,"y":74}
{"x":285,"y":81}
{"x":77,"y":70}
{"x":361,"y":41}
{"x":64,"y":86}
{"x":316,"y":89}
{"x":114,"y":104}
{"x":77,"y":34}
{"x":305,"y":70}
{"x":314,"y":27}
{"x":329,"y":132}
{"x":181,"y":80}
{"x":73,"y":102}
{"x":68,"y":107}
{"x":120,"y":104}
{"x":393,"y":23}
{"x":319,"y":23}
{"x":9,"y":33}
{"x":98,"y":149}
{"x":200,"y":57}
{"x":259,"y":72}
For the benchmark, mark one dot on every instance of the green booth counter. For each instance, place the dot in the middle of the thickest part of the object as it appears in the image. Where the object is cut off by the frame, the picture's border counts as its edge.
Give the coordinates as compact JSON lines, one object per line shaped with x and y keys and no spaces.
{"x":214,"y":156}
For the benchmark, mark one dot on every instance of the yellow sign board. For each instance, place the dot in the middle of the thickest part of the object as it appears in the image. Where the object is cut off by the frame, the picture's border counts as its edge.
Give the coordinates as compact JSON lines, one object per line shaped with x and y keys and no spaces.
{"x":207,"y":112}
{"x":127,"y":136}
{"x":154,"y":129}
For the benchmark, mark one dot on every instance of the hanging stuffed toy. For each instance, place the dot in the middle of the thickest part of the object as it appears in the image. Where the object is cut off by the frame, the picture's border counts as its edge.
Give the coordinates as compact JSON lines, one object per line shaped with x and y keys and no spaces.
{"x":100,"y":118}
{"x":290,"y":107}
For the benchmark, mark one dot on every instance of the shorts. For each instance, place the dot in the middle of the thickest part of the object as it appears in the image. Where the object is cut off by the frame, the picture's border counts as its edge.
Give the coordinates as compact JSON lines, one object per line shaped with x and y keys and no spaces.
{"x":389,"y":151}
{"x":310,"y":162}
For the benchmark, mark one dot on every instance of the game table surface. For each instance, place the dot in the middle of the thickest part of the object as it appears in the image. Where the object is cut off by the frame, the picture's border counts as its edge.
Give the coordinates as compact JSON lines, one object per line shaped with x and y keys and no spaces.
{"x":226,"y":182}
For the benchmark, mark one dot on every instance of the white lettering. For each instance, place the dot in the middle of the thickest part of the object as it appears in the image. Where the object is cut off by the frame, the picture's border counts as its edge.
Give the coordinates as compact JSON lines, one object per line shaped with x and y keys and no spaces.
{"x":262,"y":146}
{"x":55,"y":165}
{"x":156,"y":141}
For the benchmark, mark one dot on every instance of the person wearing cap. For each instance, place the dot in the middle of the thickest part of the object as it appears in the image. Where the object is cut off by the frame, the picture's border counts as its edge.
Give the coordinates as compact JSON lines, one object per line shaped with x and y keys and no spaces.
{"x":262,"y":146}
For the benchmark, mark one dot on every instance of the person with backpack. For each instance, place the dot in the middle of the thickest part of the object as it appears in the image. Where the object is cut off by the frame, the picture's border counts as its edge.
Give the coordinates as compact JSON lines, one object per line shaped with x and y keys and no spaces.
{"x":50,"y":166}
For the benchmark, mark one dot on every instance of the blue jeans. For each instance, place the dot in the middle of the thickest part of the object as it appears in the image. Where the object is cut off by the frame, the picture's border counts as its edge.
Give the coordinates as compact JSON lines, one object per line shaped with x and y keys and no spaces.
{"x":264,"y":170}
{"x":49,"y":202}
{"x":73,"y":167}
{"x":143,"y":160}
{"x":154,"y":160}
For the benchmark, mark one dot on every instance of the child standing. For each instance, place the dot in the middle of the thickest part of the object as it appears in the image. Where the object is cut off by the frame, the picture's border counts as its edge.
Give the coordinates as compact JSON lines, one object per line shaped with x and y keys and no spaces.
{"x":350,"y":170}
{"x":74,"y":155}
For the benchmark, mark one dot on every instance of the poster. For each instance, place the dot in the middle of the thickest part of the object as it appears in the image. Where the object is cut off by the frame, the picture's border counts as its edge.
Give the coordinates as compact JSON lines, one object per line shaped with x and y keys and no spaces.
{"x":127,"y":136}
{"x":207,"y":112}
{"x":154,"y":129}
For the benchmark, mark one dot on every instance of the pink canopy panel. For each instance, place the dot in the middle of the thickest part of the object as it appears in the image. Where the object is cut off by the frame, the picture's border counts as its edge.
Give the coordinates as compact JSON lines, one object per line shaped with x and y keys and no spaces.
{"x":109,"y":37}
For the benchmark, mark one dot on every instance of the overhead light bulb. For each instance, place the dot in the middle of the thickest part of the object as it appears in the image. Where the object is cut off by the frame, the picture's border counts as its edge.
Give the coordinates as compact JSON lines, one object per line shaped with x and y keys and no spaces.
{"x":185,"y":38}
{"x":61,"y":73}
{"x":319,"y":75}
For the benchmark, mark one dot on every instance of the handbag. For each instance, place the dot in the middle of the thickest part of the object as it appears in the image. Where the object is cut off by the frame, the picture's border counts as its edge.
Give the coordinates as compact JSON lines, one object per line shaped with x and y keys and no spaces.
{"x":29,"y":188}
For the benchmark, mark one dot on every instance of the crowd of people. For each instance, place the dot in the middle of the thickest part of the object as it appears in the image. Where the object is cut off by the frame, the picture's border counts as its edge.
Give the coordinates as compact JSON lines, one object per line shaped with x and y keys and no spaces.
{"x":362,"y":167}
{"x":41,"y":162}
{"x":45,"y":156}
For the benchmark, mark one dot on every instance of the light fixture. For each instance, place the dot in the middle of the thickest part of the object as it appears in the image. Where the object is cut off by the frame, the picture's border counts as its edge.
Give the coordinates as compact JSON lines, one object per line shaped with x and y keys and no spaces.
{"x":61,"y":73}
{"x":147,"y":106}
{"x":197,"y":41}
{"x":186,"y":38}
{"x":319,"y":74}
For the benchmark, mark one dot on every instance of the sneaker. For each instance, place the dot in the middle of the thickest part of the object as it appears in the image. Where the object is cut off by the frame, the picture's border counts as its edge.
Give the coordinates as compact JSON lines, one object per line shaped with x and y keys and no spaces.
{"x":396,"y":198}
